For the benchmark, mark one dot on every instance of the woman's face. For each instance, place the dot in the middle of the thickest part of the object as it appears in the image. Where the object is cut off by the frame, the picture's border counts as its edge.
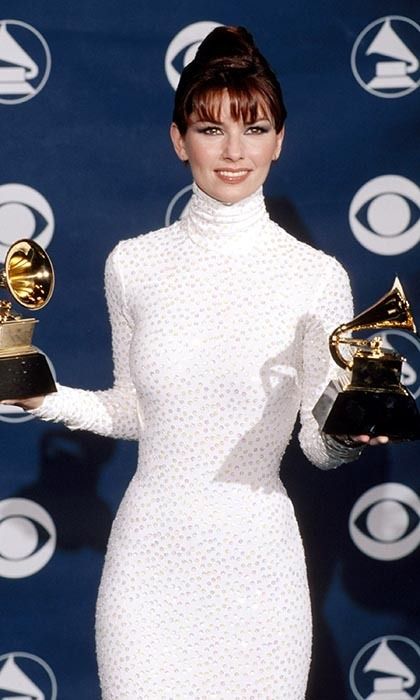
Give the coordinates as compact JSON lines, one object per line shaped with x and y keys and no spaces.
{"x":229,"y":159}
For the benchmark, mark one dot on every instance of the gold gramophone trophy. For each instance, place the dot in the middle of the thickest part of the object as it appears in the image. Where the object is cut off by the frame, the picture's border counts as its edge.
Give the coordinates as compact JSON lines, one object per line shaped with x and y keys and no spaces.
{"x":374,"y":402}
{"x":29,"y":276}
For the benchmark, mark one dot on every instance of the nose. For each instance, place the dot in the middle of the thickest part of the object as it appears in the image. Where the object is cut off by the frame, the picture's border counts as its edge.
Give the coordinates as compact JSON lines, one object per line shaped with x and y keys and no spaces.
{"x":233,"y":147}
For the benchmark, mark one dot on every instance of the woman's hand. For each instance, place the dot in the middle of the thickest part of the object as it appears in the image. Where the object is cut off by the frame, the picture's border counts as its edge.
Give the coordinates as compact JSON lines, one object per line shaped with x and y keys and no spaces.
{"x":361,"y":440}
{"x":27,"y":404}
{"x":369,"y":440}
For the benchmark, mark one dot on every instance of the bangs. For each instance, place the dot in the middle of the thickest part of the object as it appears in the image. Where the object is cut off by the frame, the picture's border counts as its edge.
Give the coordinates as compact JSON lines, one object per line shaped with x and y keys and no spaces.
{"x":246,"y":103}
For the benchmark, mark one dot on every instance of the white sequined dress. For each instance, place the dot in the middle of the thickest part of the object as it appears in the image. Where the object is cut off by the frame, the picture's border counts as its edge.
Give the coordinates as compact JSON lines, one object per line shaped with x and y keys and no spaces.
{"x":220,"y":325}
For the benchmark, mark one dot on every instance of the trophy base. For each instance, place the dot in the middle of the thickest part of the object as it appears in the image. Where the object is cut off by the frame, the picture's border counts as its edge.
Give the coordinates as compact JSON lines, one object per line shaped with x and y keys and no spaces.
{"x":26,"y":375}
{"x":363,"y":412}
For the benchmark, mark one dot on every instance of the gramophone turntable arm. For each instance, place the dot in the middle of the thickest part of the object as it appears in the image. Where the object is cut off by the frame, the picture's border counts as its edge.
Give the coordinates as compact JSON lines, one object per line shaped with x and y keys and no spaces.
{"x":373,"y":344}
{"x":6,"y":311}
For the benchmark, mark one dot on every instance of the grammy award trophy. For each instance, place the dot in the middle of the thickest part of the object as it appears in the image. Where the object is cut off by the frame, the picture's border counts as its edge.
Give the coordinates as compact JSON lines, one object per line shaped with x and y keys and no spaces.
{"x":373,"y":402}
{"x":29,"y":277}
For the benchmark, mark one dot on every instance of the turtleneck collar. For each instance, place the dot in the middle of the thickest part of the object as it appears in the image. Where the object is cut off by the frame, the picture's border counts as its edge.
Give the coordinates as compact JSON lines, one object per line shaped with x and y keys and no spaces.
{"x":226,"y":227}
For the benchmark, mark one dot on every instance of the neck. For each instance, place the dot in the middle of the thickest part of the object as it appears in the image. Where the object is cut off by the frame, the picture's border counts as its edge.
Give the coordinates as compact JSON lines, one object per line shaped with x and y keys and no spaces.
{"x":229,"y":227}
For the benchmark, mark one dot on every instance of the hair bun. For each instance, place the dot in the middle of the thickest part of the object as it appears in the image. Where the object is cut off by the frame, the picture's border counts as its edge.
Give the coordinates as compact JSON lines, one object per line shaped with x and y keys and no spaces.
{"x":230,"y":46}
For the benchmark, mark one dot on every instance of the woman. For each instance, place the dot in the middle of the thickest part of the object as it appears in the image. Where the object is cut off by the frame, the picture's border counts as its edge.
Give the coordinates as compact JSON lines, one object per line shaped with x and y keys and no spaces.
{"x":220,"y":327}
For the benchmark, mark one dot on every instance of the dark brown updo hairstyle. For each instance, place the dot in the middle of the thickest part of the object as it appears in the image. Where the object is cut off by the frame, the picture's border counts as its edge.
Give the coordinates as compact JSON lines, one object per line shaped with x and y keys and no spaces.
{"x":228,"y":59}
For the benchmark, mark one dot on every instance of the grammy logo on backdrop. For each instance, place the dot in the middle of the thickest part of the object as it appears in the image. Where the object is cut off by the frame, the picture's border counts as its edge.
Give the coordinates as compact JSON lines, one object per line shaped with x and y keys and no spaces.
{"x":18,"y":66}
{"x":392,"y":73}
{"x":373,"y":402}
{"x":29,"y":276}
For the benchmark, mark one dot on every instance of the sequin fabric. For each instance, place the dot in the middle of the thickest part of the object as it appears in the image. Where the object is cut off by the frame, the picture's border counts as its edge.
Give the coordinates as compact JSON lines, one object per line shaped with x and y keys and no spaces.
{"x":220,"y":338}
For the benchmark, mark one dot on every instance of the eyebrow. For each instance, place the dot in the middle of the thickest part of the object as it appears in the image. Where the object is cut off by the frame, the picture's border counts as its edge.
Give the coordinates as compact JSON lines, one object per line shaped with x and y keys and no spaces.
{"x":207,"y":121}
{"x":220,"y":123}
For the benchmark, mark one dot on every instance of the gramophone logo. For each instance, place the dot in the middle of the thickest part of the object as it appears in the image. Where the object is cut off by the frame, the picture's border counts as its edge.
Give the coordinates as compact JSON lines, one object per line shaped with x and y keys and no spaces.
{"x":384,"y":57}
{"x":387,"y":668}
{"x":26,"y":677}
{"x":183,"y":48}
{"x":384,"y":215}
{"x":177,"y":207}
{"x":384,"y":522}
{"x":27,"y":538}
{"x":25,"y":61}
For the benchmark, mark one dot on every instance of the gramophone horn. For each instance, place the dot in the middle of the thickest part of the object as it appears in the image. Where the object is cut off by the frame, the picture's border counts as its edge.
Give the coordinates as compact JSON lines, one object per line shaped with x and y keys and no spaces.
{"x":391,"y":311}
{"x":29,"y":275}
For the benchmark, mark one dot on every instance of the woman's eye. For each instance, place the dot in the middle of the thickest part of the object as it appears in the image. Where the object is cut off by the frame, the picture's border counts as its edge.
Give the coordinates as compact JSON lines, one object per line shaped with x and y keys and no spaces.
{"x":211,"y":130}
{"x":257,"y":130}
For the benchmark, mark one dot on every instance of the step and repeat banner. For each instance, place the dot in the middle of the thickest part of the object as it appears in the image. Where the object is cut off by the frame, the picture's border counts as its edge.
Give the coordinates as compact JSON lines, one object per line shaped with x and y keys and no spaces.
{"x":86,"y":94}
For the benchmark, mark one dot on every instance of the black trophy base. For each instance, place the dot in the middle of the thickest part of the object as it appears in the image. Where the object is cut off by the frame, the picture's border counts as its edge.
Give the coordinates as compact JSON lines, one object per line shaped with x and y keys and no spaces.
{"x":363,"y":412}
{"x":23,"y":376}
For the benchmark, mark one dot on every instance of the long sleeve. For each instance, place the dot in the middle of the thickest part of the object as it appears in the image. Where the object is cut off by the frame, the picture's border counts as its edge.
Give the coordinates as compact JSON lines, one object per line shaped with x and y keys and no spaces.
{"x":331,"y":306}
{"x":113,"y":412}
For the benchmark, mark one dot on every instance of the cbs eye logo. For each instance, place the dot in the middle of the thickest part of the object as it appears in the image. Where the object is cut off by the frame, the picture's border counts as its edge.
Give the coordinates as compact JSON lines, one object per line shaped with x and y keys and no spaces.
{"x":385,"y":522}
{"x":183,"y":48}
{"x":178,"y":205}
{"x":384,"y":215}
{"x":24,"y":213}
{"x":27,"y":538}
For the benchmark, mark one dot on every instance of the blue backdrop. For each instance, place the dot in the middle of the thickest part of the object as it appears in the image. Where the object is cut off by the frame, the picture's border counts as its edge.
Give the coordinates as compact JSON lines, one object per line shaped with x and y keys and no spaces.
{"x":86,"y":94}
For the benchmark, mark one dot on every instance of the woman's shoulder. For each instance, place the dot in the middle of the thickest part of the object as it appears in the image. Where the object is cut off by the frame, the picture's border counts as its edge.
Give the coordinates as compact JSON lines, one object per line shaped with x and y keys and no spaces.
{"x":305,"y":253}
{"x":151,"y":242}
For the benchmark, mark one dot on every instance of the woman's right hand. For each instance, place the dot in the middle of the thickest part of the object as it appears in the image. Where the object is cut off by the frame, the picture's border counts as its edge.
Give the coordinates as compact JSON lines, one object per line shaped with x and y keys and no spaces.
{"x":27,"y":404}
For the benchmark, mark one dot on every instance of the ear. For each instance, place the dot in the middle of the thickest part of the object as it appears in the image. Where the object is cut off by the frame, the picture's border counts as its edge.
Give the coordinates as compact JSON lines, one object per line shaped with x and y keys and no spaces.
{"x":178,"y":142}
{"x":279,"y":144}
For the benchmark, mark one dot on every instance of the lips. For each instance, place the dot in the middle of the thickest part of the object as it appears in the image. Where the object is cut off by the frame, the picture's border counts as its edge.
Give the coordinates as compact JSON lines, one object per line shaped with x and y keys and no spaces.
{"x":232,"y":176}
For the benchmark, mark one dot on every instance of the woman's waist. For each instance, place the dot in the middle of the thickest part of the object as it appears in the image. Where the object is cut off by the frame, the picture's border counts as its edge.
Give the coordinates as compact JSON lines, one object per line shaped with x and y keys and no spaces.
{"x":200,"y":513}
{"x":209,"y":477}
{"x":204,"y":495}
